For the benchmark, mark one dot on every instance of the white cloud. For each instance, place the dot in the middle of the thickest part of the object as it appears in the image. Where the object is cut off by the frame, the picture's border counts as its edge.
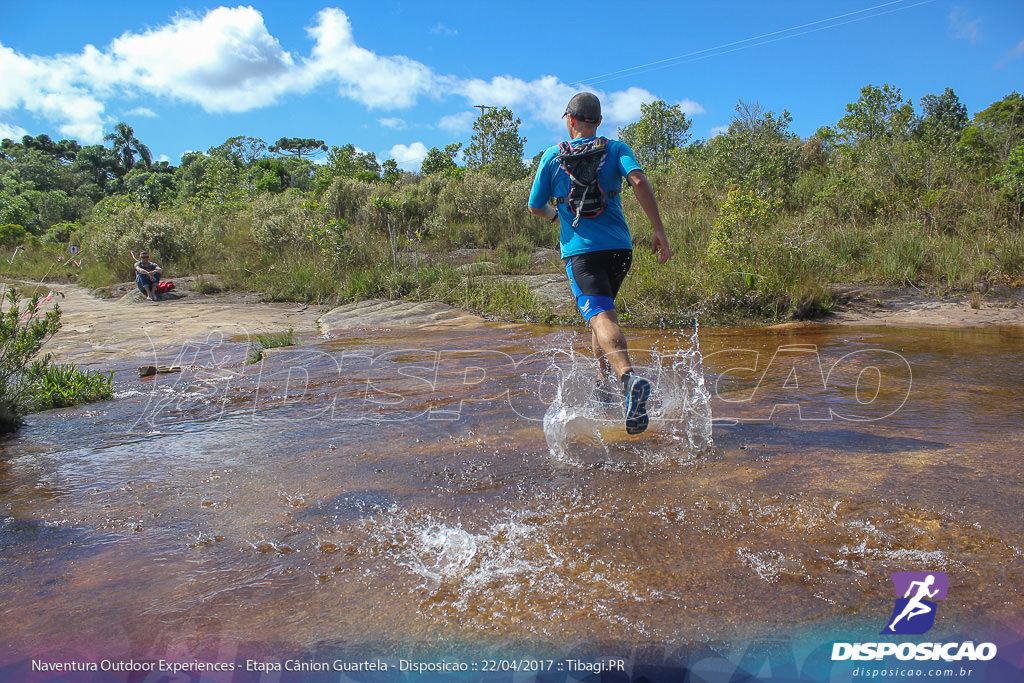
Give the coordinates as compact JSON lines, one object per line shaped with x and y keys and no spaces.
{"x":11,"y":131}
{"x":409,"y":157}
{"x":443,"y":30}
{"x":623,"y":107}
{"x":54,"y":89}
{"x":224,"y":61}
{"x":372,"y":80}
{"x":962,"y":27}
{"x":145,"y":112}
{"x":718,"y":130}
{"x":457,"y":124}
{"x":542,"y":99}
{"x":690,"y":108}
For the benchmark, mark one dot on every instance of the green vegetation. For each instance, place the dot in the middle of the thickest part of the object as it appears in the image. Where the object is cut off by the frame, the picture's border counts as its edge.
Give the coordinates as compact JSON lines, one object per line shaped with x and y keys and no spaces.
{"x":61,"y":386}
{"x":28,"y":385}
{"x":21,"y":337}
{"x":269,"y":340}
{"x":760,"y":220}
{"x":661,"y":130}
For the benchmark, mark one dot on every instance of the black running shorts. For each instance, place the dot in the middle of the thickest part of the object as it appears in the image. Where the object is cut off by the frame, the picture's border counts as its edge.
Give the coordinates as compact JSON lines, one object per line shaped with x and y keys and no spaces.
{"x":595,"y":278}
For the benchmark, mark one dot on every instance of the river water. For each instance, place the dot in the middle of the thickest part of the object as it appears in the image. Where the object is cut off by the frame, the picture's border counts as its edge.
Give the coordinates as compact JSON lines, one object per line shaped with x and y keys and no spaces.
{"x":460,"y":496}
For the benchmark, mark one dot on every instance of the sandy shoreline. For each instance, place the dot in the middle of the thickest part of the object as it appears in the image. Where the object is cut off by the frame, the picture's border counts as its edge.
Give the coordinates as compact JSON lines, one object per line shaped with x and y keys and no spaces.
{"x":98,"y":330}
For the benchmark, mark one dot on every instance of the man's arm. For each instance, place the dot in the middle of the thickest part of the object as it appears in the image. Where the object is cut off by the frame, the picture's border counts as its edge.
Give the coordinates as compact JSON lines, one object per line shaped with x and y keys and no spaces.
{"x":645,"y":195}
{"x":540,"y":193}
{"x":549,"y":212}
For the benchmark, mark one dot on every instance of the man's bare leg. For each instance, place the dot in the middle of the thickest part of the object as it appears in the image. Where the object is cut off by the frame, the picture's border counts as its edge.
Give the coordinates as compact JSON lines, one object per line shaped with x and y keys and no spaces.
{"x":610,"y":347}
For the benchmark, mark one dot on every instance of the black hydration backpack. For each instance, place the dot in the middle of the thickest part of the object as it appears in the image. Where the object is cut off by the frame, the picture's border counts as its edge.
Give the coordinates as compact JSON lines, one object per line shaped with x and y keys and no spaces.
{"x":586,"y":197}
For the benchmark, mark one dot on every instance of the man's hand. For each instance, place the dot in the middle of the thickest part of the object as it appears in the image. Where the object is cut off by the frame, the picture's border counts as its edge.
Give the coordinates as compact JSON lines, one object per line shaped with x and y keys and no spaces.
{"x":659,"y":245}
{"x":645,"y":195}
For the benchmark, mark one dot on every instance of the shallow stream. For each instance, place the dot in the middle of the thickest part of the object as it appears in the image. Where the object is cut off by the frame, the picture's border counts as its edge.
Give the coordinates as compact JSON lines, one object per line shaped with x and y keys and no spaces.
{"x":461,"y":494}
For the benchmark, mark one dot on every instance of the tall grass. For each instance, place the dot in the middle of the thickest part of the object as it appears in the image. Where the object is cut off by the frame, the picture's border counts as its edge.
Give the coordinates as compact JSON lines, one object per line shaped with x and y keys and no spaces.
{"x":269,"y":340}
{"x":928,"y":224}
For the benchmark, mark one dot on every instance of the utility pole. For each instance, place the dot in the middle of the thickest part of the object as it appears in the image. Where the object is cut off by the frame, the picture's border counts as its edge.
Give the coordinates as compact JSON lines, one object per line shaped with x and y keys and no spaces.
{"x":483,"y":108}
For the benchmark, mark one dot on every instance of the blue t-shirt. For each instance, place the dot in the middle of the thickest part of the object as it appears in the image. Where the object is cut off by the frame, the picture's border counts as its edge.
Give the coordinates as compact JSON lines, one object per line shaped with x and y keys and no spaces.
{"x":605,"y":231}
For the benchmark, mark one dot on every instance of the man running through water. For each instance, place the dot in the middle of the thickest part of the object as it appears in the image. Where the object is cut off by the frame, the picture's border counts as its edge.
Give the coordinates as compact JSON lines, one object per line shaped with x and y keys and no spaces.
{"x":598,"y":251}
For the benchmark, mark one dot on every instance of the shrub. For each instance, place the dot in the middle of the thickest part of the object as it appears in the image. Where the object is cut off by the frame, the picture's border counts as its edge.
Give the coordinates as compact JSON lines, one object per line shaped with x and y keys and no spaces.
{"x":21,"y":336}
{"x":492,"y":206}
{"x":280,"y":220}
{"x":165,"y":234}
{"x":113,"y":219}
{"x":741,"y":218}
{"x":12,"y":234}
{"x":60,"y":233}
{"x":346,"y":197}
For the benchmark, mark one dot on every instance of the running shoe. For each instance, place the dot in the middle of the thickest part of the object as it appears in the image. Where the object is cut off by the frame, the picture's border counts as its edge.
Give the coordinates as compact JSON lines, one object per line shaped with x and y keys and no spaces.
{"x":637,"y":391}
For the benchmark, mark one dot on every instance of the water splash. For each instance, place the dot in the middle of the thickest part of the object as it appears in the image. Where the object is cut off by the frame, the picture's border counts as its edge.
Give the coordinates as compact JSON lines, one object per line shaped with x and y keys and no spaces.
{"x":451,"y":559}
{"x":573,"y":421}
{"x":580,"y":428}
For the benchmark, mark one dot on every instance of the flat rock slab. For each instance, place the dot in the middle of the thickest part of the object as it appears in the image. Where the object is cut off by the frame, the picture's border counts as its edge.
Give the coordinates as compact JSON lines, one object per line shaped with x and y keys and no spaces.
{"x":379,"y":313}
{"x":553,"y":289}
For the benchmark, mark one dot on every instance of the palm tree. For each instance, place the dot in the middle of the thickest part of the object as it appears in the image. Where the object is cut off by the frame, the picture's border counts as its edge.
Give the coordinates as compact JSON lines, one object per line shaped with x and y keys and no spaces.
{"x":126,"y":146}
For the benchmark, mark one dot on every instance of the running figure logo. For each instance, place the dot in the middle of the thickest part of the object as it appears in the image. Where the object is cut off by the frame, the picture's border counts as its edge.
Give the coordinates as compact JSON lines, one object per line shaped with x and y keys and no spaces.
{"x":914,"y":612}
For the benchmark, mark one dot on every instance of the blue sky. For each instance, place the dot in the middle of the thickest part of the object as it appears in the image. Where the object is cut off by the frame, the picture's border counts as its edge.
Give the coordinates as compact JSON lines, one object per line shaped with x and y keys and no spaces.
{"x":398,"y":77}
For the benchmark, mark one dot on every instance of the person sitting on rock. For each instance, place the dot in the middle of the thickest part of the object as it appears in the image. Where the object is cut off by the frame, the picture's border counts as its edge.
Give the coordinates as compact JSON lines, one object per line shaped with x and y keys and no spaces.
{"x":147,"y":276}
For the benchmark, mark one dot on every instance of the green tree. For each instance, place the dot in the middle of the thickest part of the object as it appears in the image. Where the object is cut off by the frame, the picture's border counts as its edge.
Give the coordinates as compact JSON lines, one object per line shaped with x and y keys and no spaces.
{"x":1010,"y":180}
{"x":204,"y":180}
{"x":42,"y":171}
{"x":390,"y":173}
{"x":301,"y":173}
{"x":14,"y":207}
{"x":268,"y":175}
{"x":348,"y":162}
{"x":65,"y":150}
{"x":441,"y":161}
{"x":12,"y":235}
{"x":151,"y":187}
{"x":661,"y":130}
{"x":125,"y":146}
{"x":299,"y":147}
{"x":998,"y":128}
{"x":757,"y":152}
{"x":943,"y":117}
{"x":496,"y":146}
{"x":741,"y":218}
{"x":880,"y":113}
{"x":100,"y":165}
{"x":54,"y":206}
{"x":241,"y":150}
